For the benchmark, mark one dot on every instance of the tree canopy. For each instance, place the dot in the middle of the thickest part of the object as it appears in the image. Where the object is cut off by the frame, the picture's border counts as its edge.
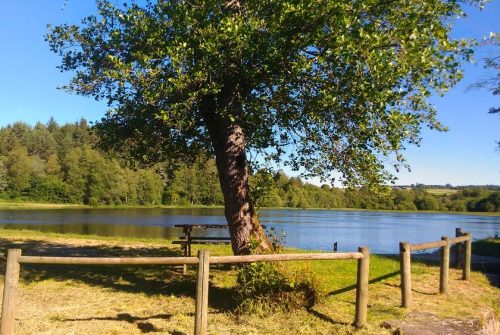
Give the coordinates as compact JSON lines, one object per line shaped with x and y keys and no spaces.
{"x":323,"y":85}
{"x":493,"y":63}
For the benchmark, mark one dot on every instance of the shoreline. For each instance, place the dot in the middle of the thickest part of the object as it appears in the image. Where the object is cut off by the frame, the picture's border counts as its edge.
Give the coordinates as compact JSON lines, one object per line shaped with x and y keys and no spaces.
{"x":18,"y":205}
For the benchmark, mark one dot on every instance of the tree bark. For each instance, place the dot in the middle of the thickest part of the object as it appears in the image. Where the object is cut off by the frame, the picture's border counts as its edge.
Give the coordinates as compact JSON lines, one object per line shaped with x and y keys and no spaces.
{"x":232,"y":165}
{"x":228,"y":140}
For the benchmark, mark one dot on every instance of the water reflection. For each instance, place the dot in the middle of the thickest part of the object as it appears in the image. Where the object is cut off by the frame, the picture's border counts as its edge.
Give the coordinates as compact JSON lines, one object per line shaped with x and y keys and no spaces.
{"x":308,"y":229}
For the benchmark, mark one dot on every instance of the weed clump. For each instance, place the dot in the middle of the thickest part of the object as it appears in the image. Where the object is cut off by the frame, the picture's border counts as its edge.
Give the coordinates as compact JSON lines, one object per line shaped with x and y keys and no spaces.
{"x":265,"y":287}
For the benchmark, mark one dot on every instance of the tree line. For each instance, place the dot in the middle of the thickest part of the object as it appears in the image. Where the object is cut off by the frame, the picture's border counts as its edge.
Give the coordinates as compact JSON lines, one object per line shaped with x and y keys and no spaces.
{"x":63,"y":164}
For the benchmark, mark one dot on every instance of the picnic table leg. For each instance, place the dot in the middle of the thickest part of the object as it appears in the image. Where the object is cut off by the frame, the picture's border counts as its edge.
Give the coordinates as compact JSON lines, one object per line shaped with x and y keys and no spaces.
{"x":187,"y":236}
{"x":184,"y":267}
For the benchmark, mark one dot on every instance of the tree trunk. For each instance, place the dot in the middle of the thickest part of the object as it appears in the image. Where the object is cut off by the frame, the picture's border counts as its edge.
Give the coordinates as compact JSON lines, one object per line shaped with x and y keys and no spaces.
{"x":232,"y":166}
{"x":228,"y":141}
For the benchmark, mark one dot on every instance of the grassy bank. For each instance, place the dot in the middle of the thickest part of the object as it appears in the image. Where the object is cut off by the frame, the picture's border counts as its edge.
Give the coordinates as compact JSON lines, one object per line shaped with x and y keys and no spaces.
{"x":487,"y":247}
{"x":22,"y":205}
{"x":137,"y":300}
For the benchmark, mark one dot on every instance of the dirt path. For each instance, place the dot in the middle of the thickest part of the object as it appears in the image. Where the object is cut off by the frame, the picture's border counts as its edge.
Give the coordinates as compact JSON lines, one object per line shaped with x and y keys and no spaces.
{"x":419,"y":323}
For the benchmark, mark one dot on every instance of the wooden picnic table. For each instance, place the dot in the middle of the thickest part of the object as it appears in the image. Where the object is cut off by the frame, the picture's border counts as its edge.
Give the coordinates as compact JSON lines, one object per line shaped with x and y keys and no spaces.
{"x":186,"y":240}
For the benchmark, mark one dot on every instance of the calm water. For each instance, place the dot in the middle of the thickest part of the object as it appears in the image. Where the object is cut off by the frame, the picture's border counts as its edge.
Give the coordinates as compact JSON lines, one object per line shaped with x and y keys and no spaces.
{"x":307,"y":229}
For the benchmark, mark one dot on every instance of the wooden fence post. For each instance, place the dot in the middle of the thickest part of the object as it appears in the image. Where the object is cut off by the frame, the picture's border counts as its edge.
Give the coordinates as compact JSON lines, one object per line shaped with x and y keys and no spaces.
{"x":405,"y":270}
{"x":362,"y":287}
{"x":201,"y":312}
{"x":468,"y":255}
{"x":458,"y":250}
{"x":9,"y":292}
{"x":444,"y":268}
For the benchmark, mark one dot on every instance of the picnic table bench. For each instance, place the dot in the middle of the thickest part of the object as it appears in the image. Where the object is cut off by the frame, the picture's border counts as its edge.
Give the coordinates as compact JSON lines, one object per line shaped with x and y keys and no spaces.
{"x":187,"y":239}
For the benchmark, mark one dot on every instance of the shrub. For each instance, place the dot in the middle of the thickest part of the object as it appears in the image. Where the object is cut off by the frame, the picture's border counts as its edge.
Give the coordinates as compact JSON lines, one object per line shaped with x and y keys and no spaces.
{"x":50,"y":189}
{"x":267,"y":287}
{"x":264,"y":287}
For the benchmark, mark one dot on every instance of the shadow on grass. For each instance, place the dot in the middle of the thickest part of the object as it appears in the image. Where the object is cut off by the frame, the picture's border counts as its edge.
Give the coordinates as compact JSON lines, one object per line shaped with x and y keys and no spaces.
{"x":326,"y":318}
{"x":425,"y":293}
{"x":372,"y":281}
{"x":148,"y":279}
{"x":487,"y":247}
{"x":140,"y":322}
{"x":222,"y":299}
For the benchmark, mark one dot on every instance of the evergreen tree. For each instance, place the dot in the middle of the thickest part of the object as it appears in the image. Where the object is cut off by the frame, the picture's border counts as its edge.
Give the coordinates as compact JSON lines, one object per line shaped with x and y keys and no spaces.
{"x":19,"y":166}
{"x":53,"y":166}
{"x":3,"y":177}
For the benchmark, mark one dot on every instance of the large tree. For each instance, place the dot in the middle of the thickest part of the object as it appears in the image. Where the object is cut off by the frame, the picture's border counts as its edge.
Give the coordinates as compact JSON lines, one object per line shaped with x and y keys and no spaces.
{"x":493,"y":64}
{"x":318,"y":85}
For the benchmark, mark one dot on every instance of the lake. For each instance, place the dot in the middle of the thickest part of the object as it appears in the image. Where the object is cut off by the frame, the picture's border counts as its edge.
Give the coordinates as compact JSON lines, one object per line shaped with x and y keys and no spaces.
{"x":307,"y":229}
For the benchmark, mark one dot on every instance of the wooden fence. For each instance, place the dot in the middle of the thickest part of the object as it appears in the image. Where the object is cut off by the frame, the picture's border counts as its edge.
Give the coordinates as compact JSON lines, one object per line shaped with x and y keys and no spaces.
{"x":15,"y":259}
{"x":406,"y":248}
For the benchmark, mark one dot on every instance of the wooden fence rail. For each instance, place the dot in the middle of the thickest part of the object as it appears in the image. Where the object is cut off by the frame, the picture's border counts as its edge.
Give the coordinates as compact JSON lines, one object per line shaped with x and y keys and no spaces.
{"x":284,"y":257}
{"x":405,"y":249}
{"x":108,"y":260}
{"x":203,"y":259}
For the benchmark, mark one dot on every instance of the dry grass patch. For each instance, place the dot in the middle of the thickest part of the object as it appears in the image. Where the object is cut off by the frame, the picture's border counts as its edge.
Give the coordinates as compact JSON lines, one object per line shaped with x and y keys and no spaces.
{"x":35,"y":205}
{"x":441,"y":191}
{"x":53,"y":307}
{"x":463,"y":300}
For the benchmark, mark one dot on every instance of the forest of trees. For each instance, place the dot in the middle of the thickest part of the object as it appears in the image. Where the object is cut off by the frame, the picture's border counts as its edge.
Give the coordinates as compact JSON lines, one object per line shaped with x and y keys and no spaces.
{"x":62,"y":164}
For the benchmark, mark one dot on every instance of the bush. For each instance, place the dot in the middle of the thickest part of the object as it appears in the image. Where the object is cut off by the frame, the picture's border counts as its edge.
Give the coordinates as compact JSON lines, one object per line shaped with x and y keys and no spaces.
{"x":407,"y":205}
{"x":427,"y":203}
{"x":50,"y":189}
{"x":489,"y":204}
{"x":267,"y":287}
{"x":458,"y":206}
{"x":264,"y":287}
{"x":270,"y":200}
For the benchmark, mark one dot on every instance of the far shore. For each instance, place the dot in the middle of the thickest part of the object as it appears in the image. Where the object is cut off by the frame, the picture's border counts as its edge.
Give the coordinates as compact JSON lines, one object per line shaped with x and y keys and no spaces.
{"x":21,"y":205}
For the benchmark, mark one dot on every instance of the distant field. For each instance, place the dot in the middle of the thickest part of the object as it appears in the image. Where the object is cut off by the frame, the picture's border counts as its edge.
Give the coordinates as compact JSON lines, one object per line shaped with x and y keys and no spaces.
{"x":440,"y":191}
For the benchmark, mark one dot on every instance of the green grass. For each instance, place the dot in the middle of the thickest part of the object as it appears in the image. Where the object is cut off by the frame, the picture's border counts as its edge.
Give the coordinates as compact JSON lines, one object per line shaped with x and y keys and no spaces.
{"x":130,"y":300}
{"x":487,"y":247}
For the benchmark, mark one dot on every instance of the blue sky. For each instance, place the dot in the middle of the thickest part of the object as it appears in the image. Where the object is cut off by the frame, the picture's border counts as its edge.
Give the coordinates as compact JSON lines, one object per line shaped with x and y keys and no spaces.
{"x":464,"y":155}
